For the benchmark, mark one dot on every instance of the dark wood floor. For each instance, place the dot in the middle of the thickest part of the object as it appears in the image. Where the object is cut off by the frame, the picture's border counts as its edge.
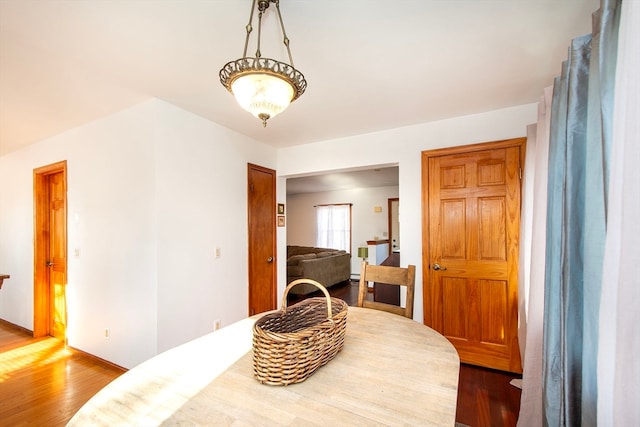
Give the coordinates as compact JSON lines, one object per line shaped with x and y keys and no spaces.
{"x":42,"y":383}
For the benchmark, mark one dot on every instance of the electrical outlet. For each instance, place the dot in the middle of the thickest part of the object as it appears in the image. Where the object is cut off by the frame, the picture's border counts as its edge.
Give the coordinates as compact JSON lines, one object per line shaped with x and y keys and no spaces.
{"x":106,"y":333}
{"x":216,"y":324}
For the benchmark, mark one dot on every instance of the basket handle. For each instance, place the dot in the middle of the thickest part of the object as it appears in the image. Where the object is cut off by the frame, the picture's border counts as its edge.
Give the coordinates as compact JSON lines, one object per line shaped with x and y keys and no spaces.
{"x":314,"y":283}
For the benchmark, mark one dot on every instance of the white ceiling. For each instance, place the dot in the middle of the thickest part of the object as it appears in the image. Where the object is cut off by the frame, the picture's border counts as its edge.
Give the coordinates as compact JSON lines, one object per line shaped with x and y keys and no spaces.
{"x":370,"y":64}
{"x":347,"y":180}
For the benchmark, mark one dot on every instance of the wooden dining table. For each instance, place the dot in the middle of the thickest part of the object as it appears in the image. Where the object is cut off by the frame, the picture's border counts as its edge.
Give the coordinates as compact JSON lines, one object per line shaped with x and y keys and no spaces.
{"x":392,"y":371}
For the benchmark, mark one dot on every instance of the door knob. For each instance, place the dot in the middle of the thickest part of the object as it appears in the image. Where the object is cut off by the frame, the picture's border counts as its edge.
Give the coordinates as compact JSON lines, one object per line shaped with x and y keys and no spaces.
{"x":49,"y":263}
{"x":437,"y":266}
{"x":270,"y":259}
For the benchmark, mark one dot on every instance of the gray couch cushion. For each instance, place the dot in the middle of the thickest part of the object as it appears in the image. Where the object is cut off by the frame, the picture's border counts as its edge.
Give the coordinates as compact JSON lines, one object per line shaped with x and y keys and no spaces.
{"x":326,"y":254}
{"x":298,"y":250}
{"x":294,"y":260}
{"x":294,"y":271}
{"x":293,"y":250}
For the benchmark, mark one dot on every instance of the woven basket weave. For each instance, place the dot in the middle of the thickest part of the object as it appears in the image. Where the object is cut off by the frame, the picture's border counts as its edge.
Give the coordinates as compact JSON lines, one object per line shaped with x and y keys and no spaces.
{"x":290,"y":344}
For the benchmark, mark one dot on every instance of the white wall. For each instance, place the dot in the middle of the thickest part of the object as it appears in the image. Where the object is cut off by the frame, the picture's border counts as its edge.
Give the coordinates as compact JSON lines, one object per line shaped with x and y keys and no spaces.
{"x":152,"y":190}
{"x":404,"y":146}
{"x":201,"y":196}
{"x":110,"y":205}
{"x":301,"y":216}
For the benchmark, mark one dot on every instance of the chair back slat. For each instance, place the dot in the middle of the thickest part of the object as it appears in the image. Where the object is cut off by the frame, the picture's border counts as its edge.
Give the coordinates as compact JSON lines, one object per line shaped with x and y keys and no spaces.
{"x":404,"y":277}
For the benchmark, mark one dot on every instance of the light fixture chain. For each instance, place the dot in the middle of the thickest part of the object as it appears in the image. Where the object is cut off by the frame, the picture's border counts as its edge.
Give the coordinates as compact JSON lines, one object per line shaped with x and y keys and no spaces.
{"x":249,"y":28}
{"x":284,"y":33}
{"x":258,"y":53}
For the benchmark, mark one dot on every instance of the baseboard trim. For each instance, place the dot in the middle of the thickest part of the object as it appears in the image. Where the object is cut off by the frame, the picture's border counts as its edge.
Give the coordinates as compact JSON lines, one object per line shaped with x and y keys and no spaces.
{"x":17,"y":327}
{"x":10,"y":325}
{"x":96,"y":358}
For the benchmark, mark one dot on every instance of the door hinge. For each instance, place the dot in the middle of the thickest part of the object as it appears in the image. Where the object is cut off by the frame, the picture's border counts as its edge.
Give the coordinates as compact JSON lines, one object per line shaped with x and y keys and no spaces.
{"x":520,"y":174}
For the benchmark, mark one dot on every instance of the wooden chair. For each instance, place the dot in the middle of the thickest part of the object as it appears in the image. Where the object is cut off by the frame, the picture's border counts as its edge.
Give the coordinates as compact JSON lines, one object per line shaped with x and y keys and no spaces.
{"x":392,"y":276}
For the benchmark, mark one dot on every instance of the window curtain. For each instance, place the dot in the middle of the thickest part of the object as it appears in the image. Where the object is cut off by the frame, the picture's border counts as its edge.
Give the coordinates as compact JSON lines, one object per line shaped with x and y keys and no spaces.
{"x":577,"y":187}
{"x":619,"y":344}
{"x":334,"y":227}
{"x":532,"y":281}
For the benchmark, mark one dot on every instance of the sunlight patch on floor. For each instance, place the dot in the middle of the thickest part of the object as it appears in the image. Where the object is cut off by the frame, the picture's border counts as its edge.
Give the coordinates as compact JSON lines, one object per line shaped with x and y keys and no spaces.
{"x":41,"y":352}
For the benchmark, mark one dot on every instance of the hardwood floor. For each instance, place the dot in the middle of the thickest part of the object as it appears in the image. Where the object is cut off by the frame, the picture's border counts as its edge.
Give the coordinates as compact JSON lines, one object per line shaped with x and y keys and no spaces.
{"x":485,"y":397}
{"x":42,"y":383}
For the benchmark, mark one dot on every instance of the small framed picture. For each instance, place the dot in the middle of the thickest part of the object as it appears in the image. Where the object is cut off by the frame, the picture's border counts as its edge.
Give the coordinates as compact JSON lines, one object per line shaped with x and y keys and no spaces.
{"x":280,"y":208}
{"x":280,"y":220}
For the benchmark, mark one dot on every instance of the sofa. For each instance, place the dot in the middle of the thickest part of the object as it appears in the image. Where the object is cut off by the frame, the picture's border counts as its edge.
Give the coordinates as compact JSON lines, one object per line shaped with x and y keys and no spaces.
{"x":324,"y":265}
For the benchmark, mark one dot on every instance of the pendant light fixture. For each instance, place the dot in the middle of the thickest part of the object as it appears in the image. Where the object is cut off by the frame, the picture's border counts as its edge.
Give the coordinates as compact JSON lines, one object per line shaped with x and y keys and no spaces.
{"x":263,"y":86}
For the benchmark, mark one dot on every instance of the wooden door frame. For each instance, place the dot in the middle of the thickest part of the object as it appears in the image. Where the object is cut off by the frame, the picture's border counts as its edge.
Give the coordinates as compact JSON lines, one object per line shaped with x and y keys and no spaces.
{"x":426,"y":255}
{"x":41,"y":290}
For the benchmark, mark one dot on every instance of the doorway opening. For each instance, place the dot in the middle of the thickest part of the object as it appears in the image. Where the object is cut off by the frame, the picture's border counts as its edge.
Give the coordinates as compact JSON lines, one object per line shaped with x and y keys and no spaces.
{"x":367,"y":189}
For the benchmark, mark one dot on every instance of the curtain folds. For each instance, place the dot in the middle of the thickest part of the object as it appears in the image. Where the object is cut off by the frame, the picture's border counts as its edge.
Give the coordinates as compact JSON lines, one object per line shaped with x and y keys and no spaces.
{"x":576,"y":222}
{"x":563,"y":309}
{"x":560,"y":378}
{"x":536,"y":168}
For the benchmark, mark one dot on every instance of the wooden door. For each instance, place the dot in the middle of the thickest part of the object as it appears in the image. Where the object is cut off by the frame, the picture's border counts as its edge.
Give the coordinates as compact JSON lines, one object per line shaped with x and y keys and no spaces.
{"x":470,"y":271}
{"x":262,"y":239}
{"x":50,"y":257}
{"x":57,"y":254}
{"x":394,"y":224}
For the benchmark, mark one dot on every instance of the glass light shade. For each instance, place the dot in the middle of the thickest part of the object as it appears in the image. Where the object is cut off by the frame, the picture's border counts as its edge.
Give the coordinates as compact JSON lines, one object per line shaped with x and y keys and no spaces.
{"x":263,"y":95}
{"x":363,"y":252}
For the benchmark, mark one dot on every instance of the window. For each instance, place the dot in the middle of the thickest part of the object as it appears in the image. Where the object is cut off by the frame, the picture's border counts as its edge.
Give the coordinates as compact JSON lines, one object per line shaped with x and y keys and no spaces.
{"x":334,"y":226}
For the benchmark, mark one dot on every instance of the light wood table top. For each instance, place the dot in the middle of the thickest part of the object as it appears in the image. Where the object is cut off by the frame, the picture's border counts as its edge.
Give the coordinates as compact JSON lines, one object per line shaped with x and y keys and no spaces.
{"x":391,"y":371}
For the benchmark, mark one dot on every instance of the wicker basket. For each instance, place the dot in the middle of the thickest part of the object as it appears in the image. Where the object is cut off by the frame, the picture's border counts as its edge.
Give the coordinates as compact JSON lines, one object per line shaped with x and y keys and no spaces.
{"x":290,"y":344}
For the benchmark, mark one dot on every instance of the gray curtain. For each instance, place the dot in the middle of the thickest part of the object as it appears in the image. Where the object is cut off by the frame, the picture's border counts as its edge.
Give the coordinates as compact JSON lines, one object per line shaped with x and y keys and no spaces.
{"x":579,"y":144}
